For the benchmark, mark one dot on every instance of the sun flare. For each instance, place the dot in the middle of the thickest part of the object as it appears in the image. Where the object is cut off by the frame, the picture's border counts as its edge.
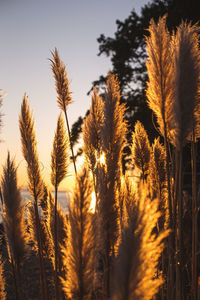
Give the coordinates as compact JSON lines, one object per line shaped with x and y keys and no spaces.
{"x":93,"y":203}
{"x":102,"y":159}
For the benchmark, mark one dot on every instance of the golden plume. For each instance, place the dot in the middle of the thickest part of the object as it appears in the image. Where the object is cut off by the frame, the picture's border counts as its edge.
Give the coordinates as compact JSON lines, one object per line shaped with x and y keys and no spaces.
{"x":59,"y":164}
{"x":62,"y":88}
{"x":13,"y":216}
{"x":80,"y":249}
{"x":136,"y":265}
{"x":160,"y":87}
{"x":185,"y":44}
{"x":140,"y":149}
{"x":13,"y":221}
{"x":114,"y":129}
{"x":35,"y":184}
{"x":62,"y":83}
{"x":59,"y":155}
{"x":29,"y":144}
{"x":92,"y":129}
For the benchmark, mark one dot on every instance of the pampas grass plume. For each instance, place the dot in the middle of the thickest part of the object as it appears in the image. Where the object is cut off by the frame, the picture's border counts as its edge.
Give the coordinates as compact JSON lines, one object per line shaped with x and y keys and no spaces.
{"x":92,"y":129}
{"x":140,"y":149}
{"x":160,"y":87}
{"x":114,"y":129}
{"x":59,"y":155}
{"x":80,"y":241}
{"x":187,"y":80}
{"x":139,"y":251}
{"x":29,"y":144}
{"x":62,"y":83}
{"x":13,"y":216}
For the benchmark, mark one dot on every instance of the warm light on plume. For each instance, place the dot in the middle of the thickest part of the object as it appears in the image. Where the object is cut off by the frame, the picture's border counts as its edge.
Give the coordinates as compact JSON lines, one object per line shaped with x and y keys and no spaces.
{"x":93,"y":203}
{"x":102,"y":159}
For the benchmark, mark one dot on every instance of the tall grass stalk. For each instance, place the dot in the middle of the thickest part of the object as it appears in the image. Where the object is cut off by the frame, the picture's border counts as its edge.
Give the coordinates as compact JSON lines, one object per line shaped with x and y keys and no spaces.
{"x":113,"y":138}
{"x":35,"y":184}
{"x":14,"y":222}
{"x":62,"y":88}
{"x":80,"y":258}
{"x":59,"y":166}
{"x":194,"y":219}
{"x":186,"y":79}
{"x":160,"y":91}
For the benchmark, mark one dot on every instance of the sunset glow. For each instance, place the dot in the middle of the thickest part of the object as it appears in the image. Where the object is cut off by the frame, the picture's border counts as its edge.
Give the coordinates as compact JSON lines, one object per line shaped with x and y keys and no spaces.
{"x":93,"y":203}
{"x":102,"y":159}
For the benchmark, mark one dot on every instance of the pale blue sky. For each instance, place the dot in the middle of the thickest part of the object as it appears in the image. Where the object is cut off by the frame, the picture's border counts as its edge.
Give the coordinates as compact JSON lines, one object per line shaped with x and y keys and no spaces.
{"x":29,"y":30}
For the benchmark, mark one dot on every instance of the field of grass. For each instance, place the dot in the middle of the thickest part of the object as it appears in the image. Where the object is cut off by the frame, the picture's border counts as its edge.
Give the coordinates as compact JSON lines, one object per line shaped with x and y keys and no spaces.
{"x":139,"y":240}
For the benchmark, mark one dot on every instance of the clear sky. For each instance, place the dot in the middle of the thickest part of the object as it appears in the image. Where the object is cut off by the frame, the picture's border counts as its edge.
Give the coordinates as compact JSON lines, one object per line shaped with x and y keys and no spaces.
{"x":29,"y":30}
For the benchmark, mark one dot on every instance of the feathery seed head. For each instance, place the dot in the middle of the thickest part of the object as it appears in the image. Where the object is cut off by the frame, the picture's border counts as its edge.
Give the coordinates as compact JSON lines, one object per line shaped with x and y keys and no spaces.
{"x":59,"y":155}
{"x":187,"y":80}
{"x":13,"y":215}
{"x":160,"y":86}
{"x":91,"y":130}
{"x":28,"y":140}
{"x":80,"y":249}
{"x":114,"y":129}
{"x":140,"y":149}
{"x":61,"y":81}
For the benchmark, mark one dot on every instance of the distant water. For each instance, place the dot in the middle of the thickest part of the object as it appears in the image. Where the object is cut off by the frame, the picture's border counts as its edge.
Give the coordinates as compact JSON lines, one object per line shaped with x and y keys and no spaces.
{"x":63,"y":200}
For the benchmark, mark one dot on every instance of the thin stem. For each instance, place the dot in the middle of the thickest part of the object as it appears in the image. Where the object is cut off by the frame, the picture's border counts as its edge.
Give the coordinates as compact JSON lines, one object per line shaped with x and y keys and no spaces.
{"x":56,"y":242}
{"x":194,"y":218}
{"x":42,"y":271}
{"x":15,"y":279}
{"x":73,"y":157}
{"x":171,"y":235}
{"x":179,"y":265}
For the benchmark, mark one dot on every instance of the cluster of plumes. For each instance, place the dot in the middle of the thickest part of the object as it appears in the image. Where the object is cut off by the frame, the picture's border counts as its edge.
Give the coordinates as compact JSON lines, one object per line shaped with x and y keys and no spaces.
{"x":174,"y":81}
{"x":113,"y":252}
{"x":124,"y":241}
{"x":13,"y":222}
{"x":151,"y":163}
{"x":139,"y":249}
{"x":173,"y":95}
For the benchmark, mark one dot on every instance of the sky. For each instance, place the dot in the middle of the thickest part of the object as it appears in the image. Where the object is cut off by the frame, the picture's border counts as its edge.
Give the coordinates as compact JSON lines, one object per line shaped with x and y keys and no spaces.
{"x":29,"y":31}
